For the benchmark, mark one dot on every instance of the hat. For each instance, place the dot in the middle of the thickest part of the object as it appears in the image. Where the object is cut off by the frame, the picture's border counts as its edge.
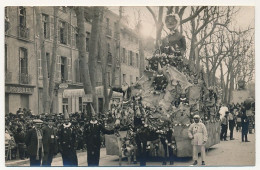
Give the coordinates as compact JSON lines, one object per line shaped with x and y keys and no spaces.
{"x":37,"y":121}
{"x":196,"y":116}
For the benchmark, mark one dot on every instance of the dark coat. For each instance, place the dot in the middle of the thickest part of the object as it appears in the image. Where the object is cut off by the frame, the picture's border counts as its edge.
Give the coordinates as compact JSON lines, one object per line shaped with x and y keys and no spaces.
{"x":31,"y":142}
{"x":67,"y":138}
{"x":47,"y":141}
{"x":92,"y":134}
{"x":244,"y":123}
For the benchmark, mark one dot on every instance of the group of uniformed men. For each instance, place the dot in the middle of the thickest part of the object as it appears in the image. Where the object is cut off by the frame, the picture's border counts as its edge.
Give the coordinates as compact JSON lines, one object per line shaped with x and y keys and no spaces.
{"x":44,"y":143}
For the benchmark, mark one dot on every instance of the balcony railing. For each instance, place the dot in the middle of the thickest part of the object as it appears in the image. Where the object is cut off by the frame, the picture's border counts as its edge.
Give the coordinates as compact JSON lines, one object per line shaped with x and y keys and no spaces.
{"x":8,"y":77}
{"x":25,"y":78}
{"x":23,"y":32}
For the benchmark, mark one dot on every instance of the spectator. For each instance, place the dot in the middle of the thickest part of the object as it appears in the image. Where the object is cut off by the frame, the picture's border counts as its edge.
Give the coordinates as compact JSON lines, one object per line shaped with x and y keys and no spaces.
{"x":224,"y":125}
{"x":244,"y":123}
{"x":20,"y":141}
{"x":33,"y":142}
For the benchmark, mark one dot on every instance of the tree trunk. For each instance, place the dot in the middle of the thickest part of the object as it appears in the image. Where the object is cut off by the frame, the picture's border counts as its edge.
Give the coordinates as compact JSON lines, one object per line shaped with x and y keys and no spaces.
{"x":83,"y":59}
{"x":227,"y":86}
{"x":46,"y":103}
{"x":54,"y":54}
{"x":159,"y":27}
{"x":231,"y":88}
{"x":93,"y":51}
{"x":222,"y":80}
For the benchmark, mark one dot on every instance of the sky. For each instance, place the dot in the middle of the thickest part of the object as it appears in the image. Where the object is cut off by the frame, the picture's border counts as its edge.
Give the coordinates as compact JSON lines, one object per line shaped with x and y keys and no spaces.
{"x":244,"y":18}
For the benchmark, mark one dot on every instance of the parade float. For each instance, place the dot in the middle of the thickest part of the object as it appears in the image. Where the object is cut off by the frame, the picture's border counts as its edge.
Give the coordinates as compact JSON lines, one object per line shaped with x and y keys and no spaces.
{"x":167,"y":97}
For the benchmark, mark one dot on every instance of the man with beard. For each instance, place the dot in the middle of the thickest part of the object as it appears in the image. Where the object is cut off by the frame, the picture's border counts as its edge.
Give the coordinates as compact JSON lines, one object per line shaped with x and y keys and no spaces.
{"x":33,"y":141}
{"x":49,"y":140}
{"x":198,"y":134}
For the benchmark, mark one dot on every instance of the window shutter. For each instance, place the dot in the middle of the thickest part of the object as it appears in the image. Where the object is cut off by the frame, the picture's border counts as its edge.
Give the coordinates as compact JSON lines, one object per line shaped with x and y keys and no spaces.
{"x":69,"y":33}
{"x":126,"y":56}
{"x":39,"y":64}
{"x":51,"y":28}
{"x":59,"y":25}
{"x":58,"y":71}
{"x":73,"y":44}
{"x":76,"y":63}
{"x":69,"y":68}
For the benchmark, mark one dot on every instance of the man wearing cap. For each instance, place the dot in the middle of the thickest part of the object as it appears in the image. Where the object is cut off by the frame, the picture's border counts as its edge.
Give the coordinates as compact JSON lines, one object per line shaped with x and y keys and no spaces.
{"x":92,"y":132}
{"x":49,"y":140}
{"x":198,"y":133}
{"x":67,"y":141}
{"x":33,"y":141}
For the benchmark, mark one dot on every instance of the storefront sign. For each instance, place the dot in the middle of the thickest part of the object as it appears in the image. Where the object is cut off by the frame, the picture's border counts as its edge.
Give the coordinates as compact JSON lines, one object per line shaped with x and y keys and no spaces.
{"x":87,"y":98}
{"x":18,"y":89}
{"x":67,"y":93}
{"x":63,"y":86}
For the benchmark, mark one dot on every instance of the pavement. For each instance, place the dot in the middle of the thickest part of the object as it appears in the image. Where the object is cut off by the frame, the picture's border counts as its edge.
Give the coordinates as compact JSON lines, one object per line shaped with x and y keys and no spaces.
{"x":226,"y":153}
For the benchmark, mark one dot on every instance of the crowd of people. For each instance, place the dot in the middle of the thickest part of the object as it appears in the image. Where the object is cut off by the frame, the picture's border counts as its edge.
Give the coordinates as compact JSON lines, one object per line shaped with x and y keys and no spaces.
{"x":40,"y":137}
{"x":239,"y":117}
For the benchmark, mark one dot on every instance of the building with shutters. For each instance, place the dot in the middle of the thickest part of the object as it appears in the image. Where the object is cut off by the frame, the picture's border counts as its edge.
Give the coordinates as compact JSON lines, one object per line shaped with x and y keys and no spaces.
{"x":23,"y":61}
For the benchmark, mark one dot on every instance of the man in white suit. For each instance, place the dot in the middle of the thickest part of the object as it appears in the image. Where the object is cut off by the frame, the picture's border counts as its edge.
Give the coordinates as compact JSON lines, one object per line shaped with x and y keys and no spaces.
{"x":198,"y":134}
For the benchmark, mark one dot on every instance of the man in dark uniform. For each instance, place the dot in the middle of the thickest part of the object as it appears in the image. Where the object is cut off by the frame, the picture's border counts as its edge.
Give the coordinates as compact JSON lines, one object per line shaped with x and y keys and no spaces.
{"x":244,"y":123}
{"x":33,"y":141}
{"x":92,"y":132}
{"x":67,"y":141}
{"x":49,"y":141}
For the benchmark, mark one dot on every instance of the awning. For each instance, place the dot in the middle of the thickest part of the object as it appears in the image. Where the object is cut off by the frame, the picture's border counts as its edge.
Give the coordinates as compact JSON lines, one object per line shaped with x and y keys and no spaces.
{"x":73,"y":93}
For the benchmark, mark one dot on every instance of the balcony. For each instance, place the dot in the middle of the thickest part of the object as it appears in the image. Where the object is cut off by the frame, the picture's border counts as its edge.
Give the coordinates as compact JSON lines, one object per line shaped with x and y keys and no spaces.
{"x":8,"y":77}
{"x":25,"y":78}
{"x":23,"y":32}
{"x":109,"y":32}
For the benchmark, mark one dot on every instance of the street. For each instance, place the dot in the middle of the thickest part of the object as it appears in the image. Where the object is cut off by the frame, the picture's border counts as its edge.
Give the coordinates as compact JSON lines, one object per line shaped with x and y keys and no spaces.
{"x":226,"y":153}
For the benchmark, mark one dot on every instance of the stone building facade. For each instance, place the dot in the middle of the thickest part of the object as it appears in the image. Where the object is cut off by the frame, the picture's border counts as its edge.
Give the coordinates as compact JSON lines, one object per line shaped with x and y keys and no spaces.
{"x":23,"y":61}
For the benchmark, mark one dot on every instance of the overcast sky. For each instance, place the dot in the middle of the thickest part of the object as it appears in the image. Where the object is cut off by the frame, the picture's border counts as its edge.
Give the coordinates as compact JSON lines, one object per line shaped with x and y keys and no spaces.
{"x":243,"y":19}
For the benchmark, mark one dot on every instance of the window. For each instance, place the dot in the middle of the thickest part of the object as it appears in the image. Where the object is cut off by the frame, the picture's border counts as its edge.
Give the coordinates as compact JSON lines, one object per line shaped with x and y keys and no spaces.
{"x":115,"y":30}
{"x":77,"y":37}
{"x":39,"y":64}
{"x":6,"y":56}
{"x":65,"y":105}
{"x":46,"y":26}
{"x":63,"y":68}
{"x":108,"y":79}
{"x":124,"y":78}
{"x":22,"y":17}
{"x":63,"y":33}
{"x":130,"y":58}
{"x":108,"y":30}
{"x":80,"y":103}
{"x":23,"y":61}
{"x":107,"y":24}
{"x":109,"y":55}
{"x":48,"y":63}
{"x":124,"y":56}
{"x":137,"y":60}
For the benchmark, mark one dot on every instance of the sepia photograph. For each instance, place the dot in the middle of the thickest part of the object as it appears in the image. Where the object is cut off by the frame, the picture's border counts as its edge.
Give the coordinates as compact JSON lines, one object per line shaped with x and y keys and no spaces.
{"x":130,"y":86}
